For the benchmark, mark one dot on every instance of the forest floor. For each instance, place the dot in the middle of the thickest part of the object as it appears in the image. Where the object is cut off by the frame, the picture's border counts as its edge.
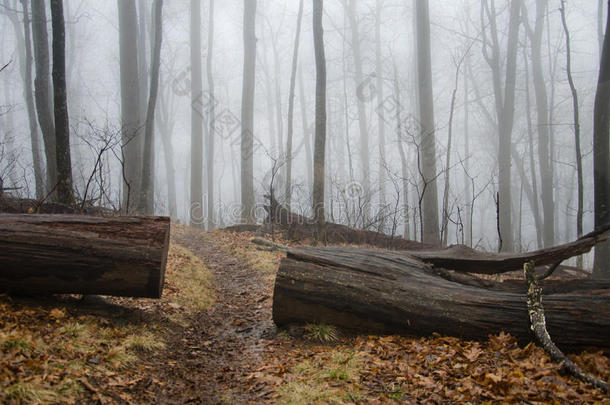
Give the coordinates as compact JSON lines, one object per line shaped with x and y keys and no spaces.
{"x":210,"y":339}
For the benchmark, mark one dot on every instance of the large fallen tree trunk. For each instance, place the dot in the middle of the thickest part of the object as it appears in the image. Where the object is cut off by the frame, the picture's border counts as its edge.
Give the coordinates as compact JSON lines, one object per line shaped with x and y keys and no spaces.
{"x":46,"y":254}
{"x":389,"y":291}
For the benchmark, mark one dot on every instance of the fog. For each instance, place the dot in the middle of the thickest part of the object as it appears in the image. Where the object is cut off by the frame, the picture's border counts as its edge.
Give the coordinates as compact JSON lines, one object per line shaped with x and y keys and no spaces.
{"x":379,"y":88}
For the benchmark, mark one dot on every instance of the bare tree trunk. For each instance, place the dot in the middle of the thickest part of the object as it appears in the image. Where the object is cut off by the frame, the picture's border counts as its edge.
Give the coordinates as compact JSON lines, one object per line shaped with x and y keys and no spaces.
{"x":147,"y":195}
{"x":24,"y":42}
{"x":293,"y":73}
{"x":445,"y":227}
{"x":600,"y":26}
{"x":211,"y":121}
{"x":505,"y":109}
{"x":247,"y":113}
{"x":143,"y":6}
{"x":320,"y":139}
{"x":350,"y":9}
{"x":542,"y":111}
{"x":533,"y":200}
{"x":430,"y":225}
{"x":306,"y":131}
{"x":278,"y":97}
{"x":130,"y":105}
{"x":42,"y":88}
{"x":468,"y":224}
{"x":380,"y":99}
{"x":271,"y":116}
{"x":65,"y":193}
{"x":601,"y":156}
{"x":403,"y":156}
{"x":506,"y":128}
{"x":575,"y":110}
{"x":165,"y":125}
{"x":196,"y":207}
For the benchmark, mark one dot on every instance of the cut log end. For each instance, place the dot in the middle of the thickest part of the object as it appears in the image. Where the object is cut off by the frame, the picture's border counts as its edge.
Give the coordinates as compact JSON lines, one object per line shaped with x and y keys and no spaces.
{"x":53,"y":254}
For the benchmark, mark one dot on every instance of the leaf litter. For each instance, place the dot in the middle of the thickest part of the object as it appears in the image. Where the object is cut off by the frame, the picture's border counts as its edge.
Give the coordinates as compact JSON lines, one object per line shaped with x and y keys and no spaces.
{"x":211,"y":340}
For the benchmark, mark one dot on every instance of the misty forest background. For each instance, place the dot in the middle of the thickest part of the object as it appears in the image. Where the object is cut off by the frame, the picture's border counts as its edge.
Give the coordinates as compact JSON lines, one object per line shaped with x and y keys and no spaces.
{"x":446,"y":121}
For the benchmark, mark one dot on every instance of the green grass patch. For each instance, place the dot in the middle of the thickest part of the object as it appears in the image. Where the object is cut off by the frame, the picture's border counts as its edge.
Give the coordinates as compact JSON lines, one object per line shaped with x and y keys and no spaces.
{"x":321,"y":332}
{"x":330,"y":377}
{"x":188,"y":280}
{"x":28,"y":393}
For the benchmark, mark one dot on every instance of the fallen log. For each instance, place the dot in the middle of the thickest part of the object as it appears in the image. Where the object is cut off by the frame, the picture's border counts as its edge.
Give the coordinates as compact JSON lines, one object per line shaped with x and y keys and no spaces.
{"x":464,"y":259}
{"x":390,"y":291}
{"x":48,"y":254}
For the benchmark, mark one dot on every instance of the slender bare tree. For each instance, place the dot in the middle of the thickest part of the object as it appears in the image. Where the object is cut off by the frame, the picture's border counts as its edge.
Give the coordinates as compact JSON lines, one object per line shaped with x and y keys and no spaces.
{"x":65,"y":193}
{"x":306,"y":131}
{"x":247,"y":113}
{"x":42,"y":88}
{"x":24,"y":52}
{"x":575,"y":111}
{"x":430,"y":225}
{"x":543,"y":125}
{"x":380,"y":111}
{"x":147,"y":194}
{"x":359,"y":82}
{"x":196,"y":207}
{"x":504,"y":95}
{"x":211,"y":120}
{"x":320,"y":137}
{"x":293,"y":74}
{"x":130,"y":103}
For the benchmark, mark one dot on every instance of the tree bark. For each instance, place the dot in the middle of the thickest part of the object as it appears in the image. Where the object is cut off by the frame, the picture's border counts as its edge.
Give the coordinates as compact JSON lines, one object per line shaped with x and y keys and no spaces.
{"x":51,"y":254}
{"x":430,"y":224}
{"x":404,"y":166}
{"x":196,"y":215}
{"x":42,"y":88}
{"x":531,"y":193}
{"x":600,"y":26}
{"x":378,"y":291}
{"x":380,"y":99}
{"x":320,"y":137}
{"x":131,"y":145}
{"x":350,"y":9}
{"x":25,"y":63}
{"x":601,"y":156}
{"x":165,"y":122}
{"x":211,"y":121}
{"x":143,"y":23}
{"x":575,"y":111}
{"x":293,"y":74}
{"x":306,"y":132}
{"x":147,"y":189}
{"x":505,"y":108}
{"x":543,"y":125}
{"x":65,"y":192}
{"x":247,"y":113}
